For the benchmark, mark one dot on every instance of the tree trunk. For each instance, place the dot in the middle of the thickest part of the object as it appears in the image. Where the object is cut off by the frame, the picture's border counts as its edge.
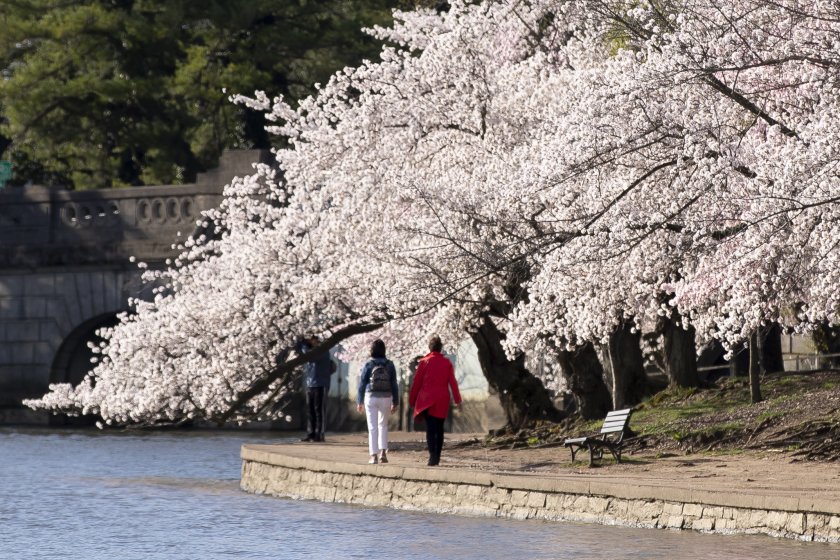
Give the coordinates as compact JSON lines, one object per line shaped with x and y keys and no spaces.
{"x":523,"y":396}
{"x":827,"y":341}
{"x":755,"y":350}
{"x":680,"y":352}
{"x":739,"y":365}
{"x":771,"y":353}
{"x":624,"y":366}
{"x":771,"y":349}
{"x":585,"y":379}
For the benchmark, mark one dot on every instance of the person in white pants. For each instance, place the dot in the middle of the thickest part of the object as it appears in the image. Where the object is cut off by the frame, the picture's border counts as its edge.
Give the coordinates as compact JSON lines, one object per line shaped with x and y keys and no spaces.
{"x":377,"y":410}
{"x":378,"y":396}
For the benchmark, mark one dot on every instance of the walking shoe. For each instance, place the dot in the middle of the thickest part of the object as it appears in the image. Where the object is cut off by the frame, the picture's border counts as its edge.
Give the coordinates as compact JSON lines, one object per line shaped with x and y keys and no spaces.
{"x":373,"y":460}
{"x":383,"y":457}
{"x":309,"y":438}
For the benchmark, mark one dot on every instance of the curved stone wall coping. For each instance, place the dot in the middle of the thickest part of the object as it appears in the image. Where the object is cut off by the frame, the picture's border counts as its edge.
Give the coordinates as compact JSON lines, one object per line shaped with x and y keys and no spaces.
{"x":556,"y":484}
{"x":303,"y":472}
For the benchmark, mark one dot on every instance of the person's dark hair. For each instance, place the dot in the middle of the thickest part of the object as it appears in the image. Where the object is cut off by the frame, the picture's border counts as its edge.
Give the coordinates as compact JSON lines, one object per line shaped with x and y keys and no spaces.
{"x":435,"y":345}
{"x":377,"y":349}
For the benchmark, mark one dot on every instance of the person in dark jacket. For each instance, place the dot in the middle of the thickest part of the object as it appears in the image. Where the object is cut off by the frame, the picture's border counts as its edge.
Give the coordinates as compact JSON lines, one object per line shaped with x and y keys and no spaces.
{"x":429,"y":395}
{"x":316,"y":376}
{"x":378,"y":396}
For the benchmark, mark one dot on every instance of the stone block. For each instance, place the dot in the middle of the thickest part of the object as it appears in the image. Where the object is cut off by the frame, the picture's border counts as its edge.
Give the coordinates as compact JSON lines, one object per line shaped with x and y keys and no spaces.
{"x":585,"y":517}
{"x":84,"y":293}
{"x":536,"y":500}
{"x":598,"y":504}
{"x":23,"y":353}
{"x":49,"y":332}
{"x":692,"y":510}
{"x":23,"y":331}
{"x":35,"y":307}
{"x":776,"y":520}
{"x":646,"y":510}
{"x":554,"y":502}
{"x":11,"y":308}
{"x":672,"y":509}
{"x":713,"y":512}
{"x":11,"y":286}
{"x":795,"y":523}
{"x":97,"y":287}
{"x":726,"y":525}
{"x":618,"y":508}
{"x":521,"y":513}
{"x":57,"y":312}
{"x":476,"y":510}
{"x":705,"y":525}
{"x":40,"y":285}
{"x":758,"y":518}
{"x":496,"y":495}
{"x":815,"y":522}
{"x":519,"y":498}
{"x":44,"y":353}
{"x":579,"y":503}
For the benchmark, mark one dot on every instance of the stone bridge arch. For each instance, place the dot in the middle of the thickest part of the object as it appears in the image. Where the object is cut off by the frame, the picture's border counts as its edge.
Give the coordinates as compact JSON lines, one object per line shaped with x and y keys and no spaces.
{"x":65,"y":270}
{"x":73,"y":358}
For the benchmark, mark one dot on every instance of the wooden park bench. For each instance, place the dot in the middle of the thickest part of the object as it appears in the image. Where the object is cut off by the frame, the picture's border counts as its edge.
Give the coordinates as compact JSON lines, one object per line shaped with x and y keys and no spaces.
{"x":616,"y":424}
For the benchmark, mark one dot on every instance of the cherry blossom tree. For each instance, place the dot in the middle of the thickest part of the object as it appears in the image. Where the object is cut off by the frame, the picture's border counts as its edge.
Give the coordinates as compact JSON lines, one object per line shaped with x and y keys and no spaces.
{"x":552,"y":176}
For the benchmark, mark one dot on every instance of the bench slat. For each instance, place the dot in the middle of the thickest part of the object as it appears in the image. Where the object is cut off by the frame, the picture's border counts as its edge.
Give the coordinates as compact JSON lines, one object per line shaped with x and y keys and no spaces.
{"x":624,"y":411}
{"x":616,"y":417}
{"x":612,"y":430}
{"x":614,"y":424}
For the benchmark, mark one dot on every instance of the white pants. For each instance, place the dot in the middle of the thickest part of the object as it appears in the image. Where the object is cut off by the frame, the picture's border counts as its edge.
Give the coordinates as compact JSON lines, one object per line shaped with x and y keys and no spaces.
{"x":377,"y":410}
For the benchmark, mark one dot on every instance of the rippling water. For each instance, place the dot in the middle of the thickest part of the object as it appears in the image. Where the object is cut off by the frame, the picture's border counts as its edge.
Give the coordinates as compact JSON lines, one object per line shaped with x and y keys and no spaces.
{"x":174,"y":495}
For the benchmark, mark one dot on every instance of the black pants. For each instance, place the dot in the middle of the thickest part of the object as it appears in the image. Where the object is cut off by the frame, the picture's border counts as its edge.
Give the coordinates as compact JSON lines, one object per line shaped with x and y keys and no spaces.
{"x":315,"y":412}
{"x":434,"y":437}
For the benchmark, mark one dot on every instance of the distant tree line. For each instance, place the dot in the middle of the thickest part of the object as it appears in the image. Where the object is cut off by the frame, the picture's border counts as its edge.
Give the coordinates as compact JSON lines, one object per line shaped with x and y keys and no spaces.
{"x":111,"y":93}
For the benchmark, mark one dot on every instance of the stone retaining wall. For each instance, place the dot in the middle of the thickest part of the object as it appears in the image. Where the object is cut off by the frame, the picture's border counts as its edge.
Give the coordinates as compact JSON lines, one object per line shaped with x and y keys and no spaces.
{"x":530,"y":497}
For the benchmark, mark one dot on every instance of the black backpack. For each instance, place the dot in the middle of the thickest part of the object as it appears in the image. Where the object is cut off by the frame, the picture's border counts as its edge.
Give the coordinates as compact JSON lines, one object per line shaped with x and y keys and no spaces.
{"x":380,"y":380}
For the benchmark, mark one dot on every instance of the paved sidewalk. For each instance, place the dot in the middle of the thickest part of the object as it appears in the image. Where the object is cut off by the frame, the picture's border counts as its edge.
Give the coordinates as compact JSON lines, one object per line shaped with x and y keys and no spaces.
{"x":769,"y":481}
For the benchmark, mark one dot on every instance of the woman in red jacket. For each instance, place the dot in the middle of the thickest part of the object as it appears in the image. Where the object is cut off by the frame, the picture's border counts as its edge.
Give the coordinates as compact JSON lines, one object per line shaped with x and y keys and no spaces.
{"x":430,"y":395}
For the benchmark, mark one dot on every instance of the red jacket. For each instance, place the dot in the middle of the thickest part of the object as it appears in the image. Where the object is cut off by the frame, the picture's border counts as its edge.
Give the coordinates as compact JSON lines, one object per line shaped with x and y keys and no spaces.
{"x":430,"y":390}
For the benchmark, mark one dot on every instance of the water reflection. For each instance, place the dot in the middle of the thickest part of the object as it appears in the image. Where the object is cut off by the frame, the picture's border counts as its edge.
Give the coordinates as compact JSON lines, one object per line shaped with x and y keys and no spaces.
{"x":93,"y":495}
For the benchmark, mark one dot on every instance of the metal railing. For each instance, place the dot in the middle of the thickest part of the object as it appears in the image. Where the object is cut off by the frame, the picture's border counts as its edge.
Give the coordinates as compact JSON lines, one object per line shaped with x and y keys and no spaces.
{"x":794,"y":361}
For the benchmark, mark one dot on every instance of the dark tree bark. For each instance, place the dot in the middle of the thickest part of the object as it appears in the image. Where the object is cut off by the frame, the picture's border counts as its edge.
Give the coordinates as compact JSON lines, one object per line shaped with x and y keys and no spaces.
{"x":680,"y":352}
{"x":771,"y":349}
{"x":756,"y":362}
{"x":739,"y":365}
{"x":585,"y":379}
{"x":827,"y":341}
{"x":624,"y":368}
{"x":523,"y":396}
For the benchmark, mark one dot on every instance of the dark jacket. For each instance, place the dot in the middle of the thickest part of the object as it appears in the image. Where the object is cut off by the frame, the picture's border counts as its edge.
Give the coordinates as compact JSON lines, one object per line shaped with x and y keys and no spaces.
{"x":316,"y":373}
{"x":364,"y":380}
